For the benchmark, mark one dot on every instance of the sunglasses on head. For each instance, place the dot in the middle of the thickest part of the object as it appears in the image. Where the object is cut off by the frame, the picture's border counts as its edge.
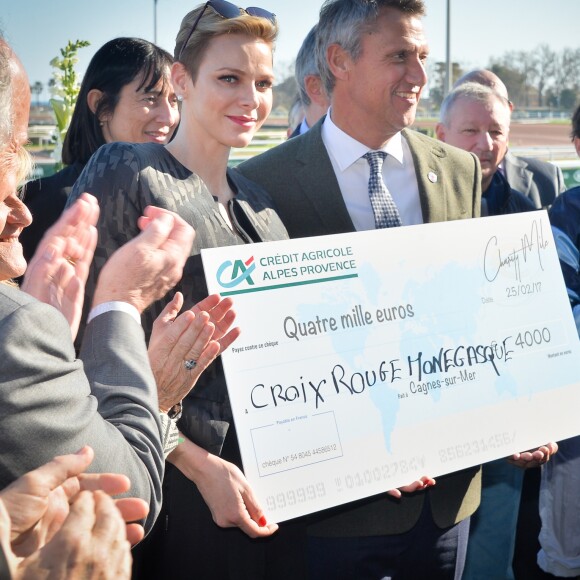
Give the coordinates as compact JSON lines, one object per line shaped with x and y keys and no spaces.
{"x":226,"y":10}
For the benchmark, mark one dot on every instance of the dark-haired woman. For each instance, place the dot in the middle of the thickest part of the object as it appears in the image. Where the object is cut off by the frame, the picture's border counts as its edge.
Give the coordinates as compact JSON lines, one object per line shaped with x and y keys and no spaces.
{"x":126,"y":95}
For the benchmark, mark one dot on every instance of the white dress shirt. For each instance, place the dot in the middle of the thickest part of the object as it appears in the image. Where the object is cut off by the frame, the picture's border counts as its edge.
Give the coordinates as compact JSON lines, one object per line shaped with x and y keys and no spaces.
{"x":353,"y":172}
{"x":116,"y":305}
{"x":303,"y":127}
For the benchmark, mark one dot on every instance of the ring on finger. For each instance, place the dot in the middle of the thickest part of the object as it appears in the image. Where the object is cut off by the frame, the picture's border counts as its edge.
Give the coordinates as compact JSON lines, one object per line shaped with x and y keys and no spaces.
{"x":190,"y":364}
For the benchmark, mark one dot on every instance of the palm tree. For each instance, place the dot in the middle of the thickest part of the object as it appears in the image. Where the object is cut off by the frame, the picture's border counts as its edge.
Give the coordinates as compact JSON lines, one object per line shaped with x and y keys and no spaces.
{"x":36,"y":89}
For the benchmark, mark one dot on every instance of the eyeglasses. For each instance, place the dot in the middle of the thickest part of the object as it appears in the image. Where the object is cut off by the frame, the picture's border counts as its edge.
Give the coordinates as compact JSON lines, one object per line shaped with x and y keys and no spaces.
{"x":226,"y":10}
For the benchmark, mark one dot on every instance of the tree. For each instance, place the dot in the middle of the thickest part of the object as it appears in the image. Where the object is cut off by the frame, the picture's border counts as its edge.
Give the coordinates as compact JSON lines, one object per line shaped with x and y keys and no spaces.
{"x":514,"y":80}
{"x":437,"y":74}
{"x":285,"y":93}
{"x":65,"y":89}
{"x":517,"y":70}
{"x":565,"y":73}
{"x":545,"y":68}
{"x":568,"y":99}
{"x":527,"y":66}
{"x":36,"y":89}
{"x":553,"y":76}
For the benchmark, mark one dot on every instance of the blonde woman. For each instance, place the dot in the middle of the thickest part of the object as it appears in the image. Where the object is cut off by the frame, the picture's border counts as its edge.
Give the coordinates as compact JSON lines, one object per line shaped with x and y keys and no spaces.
{"x":211,"y":526}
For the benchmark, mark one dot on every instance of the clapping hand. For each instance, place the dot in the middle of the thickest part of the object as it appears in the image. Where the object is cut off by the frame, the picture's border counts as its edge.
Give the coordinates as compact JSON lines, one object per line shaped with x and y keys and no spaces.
{"x":58,"y":271}
{"x":147,"y":267}
{"x":183,"y":345}
{"x":59,"y":519}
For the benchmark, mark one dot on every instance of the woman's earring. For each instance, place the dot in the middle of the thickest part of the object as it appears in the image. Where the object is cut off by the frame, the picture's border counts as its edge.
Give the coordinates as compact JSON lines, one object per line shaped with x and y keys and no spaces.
{"x":180,"y":98}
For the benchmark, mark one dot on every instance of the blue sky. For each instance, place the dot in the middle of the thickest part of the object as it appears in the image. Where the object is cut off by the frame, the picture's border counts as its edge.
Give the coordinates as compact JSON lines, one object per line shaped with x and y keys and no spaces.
{"x":37,"y":29}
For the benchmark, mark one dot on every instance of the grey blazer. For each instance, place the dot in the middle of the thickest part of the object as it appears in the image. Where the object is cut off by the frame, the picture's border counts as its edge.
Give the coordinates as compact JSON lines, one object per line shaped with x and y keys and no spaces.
{"x":52,"y":403}
{"x":539,"y":180}
{"x":299,"y":177}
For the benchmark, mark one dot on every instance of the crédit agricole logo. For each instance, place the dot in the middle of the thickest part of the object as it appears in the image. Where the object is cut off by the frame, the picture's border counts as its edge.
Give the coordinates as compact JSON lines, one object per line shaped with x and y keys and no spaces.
{"x":232,"y":274}
{"x":282,"y":270}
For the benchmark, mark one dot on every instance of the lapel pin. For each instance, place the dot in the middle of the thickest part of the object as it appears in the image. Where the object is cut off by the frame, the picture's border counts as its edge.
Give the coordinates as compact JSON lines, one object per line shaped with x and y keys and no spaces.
{"x":432,"y":177}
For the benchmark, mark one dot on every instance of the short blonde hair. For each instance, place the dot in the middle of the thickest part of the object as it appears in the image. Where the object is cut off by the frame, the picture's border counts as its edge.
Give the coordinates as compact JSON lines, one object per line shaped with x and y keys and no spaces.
{"x":212,"y":25}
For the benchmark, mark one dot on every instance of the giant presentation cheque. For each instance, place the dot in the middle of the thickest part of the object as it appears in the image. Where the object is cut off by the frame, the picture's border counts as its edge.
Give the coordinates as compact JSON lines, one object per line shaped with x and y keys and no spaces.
{"x":369,"y":359}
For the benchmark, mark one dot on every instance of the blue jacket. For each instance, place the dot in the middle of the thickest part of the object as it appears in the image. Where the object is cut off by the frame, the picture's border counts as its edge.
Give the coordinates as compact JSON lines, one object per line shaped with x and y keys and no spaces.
{"x":565,"y":219}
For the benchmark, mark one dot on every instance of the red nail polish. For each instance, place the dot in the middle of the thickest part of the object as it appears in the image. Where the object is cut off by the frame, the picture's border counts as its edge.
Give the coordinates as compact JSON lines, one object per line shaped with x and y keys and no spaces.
{"x":262,"y":521}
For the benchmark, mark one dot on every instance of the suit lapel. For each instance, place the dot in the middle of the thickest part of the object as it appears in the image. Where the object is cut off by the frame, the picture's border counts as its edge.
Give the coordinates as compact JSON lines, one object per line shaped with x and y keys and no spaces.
{"x":318,"y":181}
{"x":517,"y":173}
{"x":428,"y":158}
{"x":296,"y":132}
{"x":319,"y":185}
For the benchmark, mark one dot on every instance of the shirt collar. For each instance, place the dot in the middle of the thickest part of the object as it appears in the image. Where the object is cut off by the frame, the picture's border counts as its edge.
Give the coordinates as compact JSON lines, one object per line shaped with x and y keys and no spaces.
{"x":347,"y":150}
{"x":304,"y":126}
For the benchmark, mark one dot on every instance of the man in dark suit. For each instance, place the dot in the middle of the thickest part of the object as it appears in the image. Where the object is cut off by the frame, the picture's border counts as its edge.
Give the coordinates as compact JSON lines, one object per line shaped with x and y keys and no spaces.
{"x":312,"y":95}
{"x":319,"y":183}
{"x":50,"y":402}
{"x":539,"y":180}
{"x":371,"y":58}
{"x":476,"y":118}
